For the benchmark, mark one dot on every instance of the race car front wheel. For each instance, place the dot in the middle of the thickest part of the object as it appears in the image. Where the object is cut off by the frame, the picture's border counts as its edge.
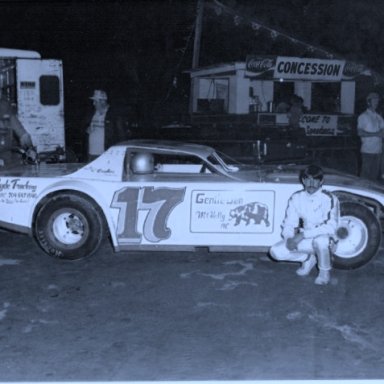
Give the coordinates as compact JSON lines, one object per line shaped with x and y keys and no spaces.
{"x":359,"y":236}
{"x":69,"y":226}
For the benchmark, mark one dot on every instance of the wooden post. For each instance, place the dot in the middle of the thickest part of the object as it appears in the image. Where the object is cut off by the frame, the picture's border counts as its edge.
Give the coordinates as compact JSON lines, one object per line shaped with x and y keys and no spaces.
{"x":198,"y":27}
{"x":196,"y":46}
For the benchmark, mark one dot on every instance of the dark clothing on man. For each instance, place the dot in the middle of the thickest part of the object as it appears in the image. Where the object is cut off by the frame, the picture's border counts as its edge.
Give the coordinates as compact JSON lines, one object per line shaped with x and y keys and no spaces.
{"x":116,"y":128}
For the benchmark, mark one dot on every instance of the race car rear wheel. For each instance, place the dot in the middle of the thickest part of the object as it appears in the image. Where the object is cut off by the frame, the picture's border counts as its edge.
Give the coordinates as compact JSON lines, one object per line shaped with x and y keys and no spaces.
{"x":69,"y":226}
{"x":359,"y":236}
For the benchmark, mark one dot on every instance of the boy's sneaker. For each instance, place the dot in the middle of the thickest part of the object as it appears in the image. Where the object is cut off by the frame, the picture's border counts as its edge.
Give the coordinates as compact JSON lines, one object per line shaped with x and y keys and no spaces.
{"x":307,"y":266}
{"x":323,"y":278}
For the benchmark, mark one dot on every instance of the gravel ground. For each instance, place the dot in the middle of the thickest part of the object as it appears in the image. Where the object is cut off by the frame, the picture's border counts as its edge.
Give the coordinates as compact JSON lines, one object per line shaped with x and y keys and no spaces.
{"x":184,"y":316}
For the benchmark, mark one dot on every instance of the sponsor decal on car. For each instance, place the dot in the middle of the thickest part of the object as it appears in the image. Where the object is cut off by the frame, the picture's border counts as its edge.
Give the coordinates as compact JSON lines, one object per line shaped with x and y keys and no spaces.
{"x":227,"y":212}
{"x":17,"y":191}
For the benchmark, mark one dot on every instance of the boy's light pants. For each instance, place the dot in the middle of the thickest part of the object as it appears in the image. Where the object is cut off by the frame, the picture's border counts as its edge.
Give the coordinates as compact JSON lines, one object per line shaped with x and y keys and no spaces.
{"x":319,"y":246}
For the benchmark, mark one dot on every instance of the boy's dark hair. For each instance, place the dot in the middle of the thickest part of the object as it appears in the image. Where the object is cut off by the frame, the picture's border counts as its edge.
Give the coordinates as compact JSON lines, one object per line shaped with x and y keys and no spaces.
{"x":313,"y":171}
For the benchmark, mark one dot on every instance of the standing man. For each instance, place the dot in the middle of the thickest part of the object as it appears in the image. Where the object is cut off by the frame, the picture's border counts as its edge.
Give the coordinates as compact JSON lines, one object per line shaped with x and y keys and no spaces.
{"x":309,"y":227}
{"x":370,"y":127}
{"x":105,"y":127}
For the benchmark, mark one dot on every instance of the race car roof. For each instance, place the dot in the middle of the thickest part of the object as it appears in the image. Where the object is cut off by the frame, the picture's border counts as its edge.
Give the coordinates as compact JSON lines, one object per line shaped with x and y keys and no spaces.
{"x":170,"y":146}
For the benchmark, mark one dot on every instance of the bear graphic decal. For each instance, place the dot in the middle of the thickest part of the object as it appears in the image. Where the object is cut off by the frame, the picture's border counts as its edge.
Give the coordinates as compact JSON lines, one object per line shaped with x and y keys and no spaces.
{"x":252,"y":212}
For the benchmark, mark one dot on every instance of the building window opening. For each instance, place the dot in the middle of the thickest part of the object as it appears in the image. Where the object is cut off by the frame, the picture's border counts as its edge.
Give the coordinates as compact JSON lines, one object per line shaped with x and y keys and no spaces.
{"x":325,"y":97}
{"x":214,"y":95}
{"x":283,"y":92}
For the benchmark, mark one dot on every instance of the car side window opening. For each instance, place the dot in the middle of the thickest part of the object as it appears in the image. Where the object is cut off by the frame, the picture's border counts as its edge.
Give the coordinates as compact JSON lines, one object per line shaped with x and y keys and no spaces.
{"x":137,"y":163}
{"x":146,"y":163}
{"x":179,"y":164}
{"x":141,"y":163}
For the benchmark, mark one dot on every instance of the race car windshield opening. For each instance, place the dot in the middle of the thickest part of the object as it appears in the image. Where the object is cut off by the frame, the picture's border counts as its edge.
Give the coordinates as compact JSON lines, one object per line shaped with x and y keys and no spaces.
{"x":216,"y":160}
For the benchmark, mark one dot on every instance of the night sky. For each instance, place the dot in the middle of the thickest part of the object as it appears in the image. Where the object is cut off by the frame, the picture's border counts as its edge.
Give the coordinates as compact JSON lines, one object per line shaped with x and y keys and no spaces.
{"x":138,"y":50}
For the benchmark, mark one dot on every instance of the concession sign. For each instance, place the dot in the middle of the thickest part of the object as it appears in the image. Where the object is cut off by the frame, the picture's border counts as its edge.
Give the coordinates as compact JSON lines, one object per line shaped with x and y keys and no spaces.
{"x":296,"y":68}
{"x":308,"y":69}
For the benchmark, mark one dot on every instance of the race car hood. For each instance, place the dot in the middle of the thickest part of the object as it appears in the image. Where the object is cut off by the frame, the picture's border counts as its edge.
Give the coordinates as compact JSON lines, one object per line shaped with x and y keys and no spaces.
{"x":290,"y":174}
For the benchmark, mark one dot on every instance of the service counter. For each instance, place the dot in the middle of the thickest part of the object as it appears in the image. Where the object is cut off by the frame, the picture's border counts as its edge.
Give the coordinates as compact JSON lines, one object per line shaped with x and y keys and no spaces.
{"x":315,"y":124}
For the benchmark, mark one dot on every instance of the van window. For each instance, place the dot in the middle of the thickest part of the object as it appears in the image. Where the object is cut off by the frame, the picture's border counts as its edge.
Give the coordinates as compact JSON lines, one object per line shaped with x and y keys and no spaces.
{"x":49,"y":90}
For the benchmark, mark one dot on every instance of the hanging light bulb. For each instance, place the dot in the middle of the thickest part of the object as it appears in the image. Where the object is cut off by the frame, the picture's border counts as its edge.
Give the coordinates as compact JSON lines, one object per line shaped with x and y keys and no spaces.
{"x":237,"y":20}
{"x":217,"y":10}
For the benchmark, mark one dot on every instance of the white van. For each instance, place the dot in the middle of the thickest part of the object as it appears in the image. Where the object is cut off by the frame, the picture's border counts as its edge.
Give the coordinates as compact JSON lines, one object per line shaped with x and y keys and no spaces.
{"x":34,"y":87}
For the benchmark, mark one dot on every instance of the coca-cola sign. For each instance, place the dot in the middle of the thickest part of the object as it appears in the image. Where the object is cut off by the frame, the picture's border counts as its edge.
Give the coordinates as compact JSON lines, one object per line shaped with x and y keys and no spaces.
{"x":302,"y":68}
{"x":353,"y":69}
{"x":259,"y":64}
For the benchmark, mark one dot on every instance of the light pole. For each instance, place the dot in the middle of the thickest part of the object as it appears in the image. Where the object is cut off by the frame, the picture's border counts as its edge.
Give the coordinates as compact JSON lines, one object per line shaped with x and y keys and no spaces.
{"x":196,"y":47}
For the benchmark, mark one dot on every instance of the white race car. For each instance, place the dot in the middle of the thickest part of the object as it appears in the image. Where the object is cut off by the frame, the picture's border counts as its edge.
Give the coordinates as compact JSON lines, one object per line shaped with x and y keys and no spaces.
{"x":155,"y":195}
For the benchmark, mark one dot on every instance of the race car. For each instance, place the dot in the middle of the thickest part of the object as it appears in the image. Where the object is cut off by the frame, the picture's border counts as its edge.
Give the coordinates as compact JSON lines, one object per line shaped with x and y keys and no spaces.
{"x":168,"y":195}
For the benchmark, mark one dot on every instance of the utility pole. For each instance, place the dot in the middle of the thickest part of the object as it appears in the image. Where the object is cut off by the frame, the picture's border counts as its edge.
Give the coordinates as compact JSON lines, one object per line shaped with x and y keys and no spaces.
{"x":198,"y":27}
{"x":196,"y":46}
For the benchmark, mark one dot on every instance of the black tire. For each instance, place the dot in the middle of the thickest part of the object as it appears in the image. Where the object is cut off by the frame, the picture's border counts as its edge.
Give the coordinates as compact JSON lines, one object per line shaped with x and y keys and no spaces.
{"x":69,"y":226}
{"x":360,"y":236}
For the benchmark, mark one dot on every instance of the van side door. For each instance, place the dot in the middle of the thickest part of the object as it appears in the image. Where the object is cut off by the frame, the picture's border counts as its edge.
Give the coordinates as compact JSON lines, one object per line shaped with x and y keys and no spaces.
{"x":40,"y":101}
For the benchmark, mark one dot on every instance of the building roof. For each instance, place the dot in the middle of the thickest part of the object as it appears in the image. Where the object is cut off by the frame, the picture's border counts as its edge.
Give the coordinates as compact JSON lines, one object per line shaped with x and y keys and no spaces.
{"x":19,"y":53}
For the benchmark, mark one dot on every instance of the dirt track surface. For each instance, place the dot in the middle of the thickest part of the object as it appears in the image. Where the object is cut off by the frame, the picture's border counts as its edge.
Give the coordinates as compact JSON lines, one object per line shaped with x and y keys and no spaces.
{"x":184,"y":316}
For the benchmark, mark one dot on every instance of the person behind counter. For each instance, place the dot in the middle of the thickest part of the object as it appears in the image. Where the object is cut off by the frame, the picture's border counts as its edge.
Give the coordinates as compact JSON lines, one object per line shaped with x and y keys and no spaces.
{"x":295,"y":112}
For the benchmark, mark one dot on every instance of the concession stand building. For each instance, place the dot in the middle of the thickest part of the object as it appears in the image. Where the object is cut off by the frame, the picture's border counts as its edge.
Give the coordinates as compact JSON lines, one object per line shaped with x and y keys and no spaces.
{"x":251,"y":99}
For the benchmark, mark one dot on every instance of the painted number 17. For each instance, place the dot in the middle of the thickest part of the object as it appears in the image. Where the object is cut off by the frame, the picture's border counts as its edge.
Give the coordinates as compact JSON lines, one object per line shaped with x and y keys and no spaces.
{"x":156,"y":202}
